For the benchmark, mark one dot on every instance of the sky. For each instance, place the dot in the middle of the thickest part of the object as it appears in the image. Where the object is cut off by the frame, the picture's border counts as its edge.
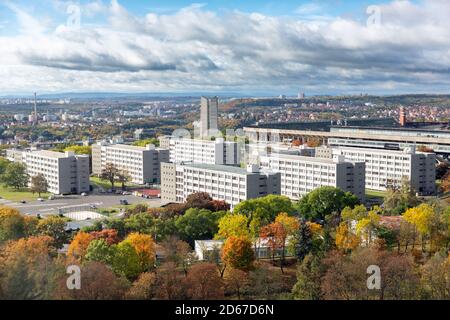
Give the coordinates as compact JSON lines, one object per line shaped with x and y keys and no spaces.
{"x":253,"y":47}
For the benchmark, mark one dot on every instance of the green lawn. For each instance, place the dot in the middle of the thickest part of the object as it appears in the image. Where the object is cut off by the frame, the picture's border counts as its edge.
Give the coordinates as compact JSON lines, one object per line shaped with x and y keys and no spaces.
{"x":375,"y":194}
{"x":23,"y":194}
{"x":96,"y":181}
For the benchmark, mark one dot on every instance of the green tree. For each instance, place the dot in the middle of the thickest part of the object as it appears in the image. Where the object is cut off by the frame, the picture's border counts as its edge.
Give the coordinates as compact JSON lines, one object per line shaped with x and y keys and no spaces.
{"x":110,"y":174}
{"x":325,"y":201}
{"x":15,"y":176}
{"x":303,"y":241}
{"x":99,"y":250}
{"x":197,"y":224}
{"x":80,"y":149}
{"x":3,"y":165}
{"x":126,"y":261}
{"x":233,"y":225}
{"x":39,"y":184}
{"x":309,"y":274}
{"x":54,"y":227}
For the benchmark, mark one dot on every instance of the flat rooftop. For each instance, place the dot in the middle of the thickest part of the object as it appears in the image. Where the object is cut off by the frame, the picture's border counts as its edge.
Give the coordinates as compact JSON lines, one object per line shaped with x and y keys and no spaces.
{"x":48,"y":154}
{"x":221,"y":168}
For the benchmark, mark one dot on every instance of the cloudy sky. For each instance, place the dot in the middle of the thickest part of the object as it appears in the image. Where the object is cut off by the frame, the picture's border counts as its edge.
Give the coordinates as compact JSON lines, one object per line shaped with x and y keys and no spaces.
{"x":259,"y":47}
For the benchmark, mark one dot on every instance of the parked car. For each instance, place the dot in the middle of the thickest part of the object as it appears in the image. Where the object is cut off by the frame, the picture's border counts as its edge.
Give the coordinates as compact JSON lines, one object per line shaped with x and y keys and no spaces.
{"x":40,"y":200}
{"x":124,"y":202}
{"x":23,"y":201}
{"x":84,"y":194}
{"x":51,"y":197}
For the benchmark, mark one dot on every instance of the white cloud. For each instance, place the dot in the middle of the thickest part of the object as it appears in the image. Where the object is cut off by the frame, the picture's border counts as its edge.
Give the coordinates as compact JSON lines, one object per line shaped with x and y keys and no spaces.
{"x":197,"y":49}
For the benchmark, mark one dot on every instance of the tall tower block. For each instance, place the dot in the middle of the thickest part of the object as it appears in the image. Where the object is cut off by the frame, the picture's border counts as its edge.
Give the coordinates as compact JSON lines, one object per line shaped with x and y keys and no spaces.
{"x":209,"y":116}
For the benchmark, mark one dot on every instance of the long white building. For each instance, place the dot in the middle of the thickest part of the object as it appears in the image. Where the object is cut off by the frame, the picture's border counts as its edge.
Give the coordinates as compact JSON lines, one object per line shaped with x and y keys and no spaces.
{"x":228,"y":183}
{"x":204,"y":151}
{"x":385,"y":168}
{"x":141,"y":163}
{"x":66,"y":173}
{"x":301,"y":175}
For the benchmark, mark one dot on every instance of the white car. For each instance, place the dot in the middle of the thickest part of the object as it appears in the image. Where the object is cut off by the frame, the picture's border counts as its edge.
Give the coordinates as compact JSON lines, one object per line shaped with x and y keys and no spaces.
{"x":84,"y":194}
{"x":40,"y":200}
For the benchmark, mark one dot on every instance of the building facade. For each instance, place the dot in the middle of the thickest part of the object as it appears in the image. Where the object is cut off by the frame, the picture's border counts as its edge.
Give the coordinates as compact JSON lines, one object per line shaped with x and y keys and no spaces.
{"x":301,"y":175}
{"x":386,"y":168}
{"x":209,"y":112}
{"x":227,"y":183}
{"x":142,"y":164}
{"x":66,"y":173}
{"x":204,"y":151}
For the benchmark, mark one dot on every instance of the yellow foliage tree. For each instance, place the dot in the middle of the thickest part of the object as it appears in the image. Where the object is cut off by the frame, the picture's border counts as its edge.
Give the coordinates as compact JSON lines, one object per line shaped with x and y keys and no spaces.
{"x":424,"y":218}
{"x":345,"y":239}
{"x":78,"y":246}
{"x":290,"y":224}
{"x":235,"y":225}
{"x":144,"y":246}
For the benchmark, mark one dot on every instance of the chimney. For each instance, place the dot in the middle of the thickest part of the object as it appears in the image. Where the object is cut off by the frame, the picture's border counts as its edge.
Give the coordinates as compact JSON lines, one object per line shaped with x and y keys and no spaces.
{"x":402,"y":116}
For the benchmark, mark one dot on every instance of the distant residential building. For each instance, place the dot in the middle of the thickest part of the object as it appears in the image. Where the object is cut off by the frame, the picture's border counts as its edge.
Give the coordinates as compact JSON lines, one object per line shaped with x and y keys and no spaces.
{"x":209,"y":116}
{"x":66,"y":173}
{"x":231,"y":184}
{"x":141,"y":163}
{"x":385,"y":168}
{"x":301,"y":175}
{"x":218,"y":151}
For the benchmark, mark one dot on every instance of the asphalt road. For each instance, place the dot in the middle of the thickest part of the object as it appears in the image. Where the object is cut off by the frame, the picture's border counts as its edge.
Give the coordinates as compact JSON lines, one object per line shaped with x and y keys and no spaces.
{"x":101,"y":201}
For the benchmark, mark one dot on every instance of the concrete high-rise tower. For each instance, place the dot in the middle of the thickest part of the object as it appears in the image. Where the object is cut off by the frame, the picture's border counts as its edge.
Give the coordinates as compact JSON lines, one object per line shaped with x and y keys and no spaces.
{"x":35,"y":115}
{"x":209,"y":116}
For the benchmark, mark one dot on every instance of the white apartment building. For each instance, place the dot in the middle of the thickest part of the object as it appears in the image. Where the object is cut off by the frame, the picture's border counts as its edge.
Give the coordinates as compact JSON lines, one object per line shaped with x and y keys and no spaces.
{"x":231,"y":184}
{"x":66,"y":173}
{"x":386,"y":168}
{"x":142,"y":164}
{"x":218,"y":151}
{"x":301,"y":175}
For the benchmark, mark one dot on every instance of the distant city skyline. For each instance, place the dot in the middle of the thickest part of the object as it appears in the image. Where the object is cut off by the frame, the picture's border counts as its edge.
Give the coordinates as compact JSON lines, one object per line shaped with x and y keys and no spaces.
{"x":258,"y":48}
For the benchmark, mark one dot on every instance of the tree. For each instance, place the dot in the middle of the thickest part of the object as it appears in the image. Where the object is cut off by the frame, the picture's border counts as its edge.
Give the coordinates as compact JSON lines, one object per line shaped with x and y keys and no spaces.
{"x":324,"y":201}
{"x":398,"y":200}
{"x":436,"y":278}
{"x":309,"y":275}
{"x":345,"y":239}
{"x":445,"y":182}
{"x":197,"y":224}
{"x":178,"y":252}
{"x":143,"y":288}
{"x":80,"y":149}
{"x":3,"y":165}
{"x":123,"y":177}
{"x":145,"y":249}
{"x":110,"y":174}
{"x":200,"y":200}
{"x":441,"y":170}
{"x":275,"y":234}
{"x":219,"y":205}
{"x":367,"y":226}
{"x":27,"y":271}
{"x":12,"y":224}
{"x":169,"y":283}
{"x":99,"y":250}
{"x":233,"y":225}
{"x":39,"y":184}
{"x":236,"y":281}
{"x":141,"y":223}
{"x":204,"y":283}
{"x":54,"y":227}
{"x":423,"y":218}
{"x":98,"y":283}
{"x":126,"y":262}
{"x":262,"y":211}
{"x":111,"y":236}
{"x":303,"y":241}
{"x":238,"y":253}
{"x":79,"y":245}
{"x":15,"y":176}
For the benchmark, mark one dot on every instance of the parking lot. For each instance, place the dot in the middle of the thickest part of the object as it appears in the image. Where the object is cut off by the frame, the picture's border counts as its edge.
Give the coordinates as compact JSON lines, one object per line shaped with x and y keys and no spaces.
{"x":101,"y":201}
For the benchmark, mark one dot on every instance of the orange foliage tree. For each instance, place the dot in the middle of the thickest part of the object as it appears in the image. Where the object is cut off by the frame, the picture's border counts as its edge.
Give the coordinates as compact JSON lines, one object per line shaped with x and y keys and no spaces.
{"x":203,"y":282}
{"x":238,"y":253}
{"x":79,"y":245}
{"x":144,"y":246}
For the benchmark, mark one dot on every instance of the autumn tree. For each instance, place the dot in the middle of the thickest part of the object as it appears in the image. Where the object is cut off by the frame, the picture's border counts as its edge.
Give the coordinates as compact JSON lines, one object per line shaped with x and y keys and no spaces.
{"x":399,"y":199}
{"x":169,"y":283}
{"x":143,"y":288}
{"x":123,"y":177}
{"x":238,"y":253}
{"x":204,"y":282}
{"x":345,"y":239}
{"x":233,"y":225}
{"x":126,"y":262}
{"x":423,"y":218}
{"x":275,"y":234}
{"x":145,"y":248}
{"x":178,"y":252}
{"x":12,"y":224}
{"x":79,"y":245}
{"x":435,"y":278}
{"x":98,"y":283}
{"x":54,"y":227}
{"x":39,"y":184}
{"x":110,"y":173}
{"x":199,"y":200}
{"x":236,"y":281}
{"x":111,"y":236}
